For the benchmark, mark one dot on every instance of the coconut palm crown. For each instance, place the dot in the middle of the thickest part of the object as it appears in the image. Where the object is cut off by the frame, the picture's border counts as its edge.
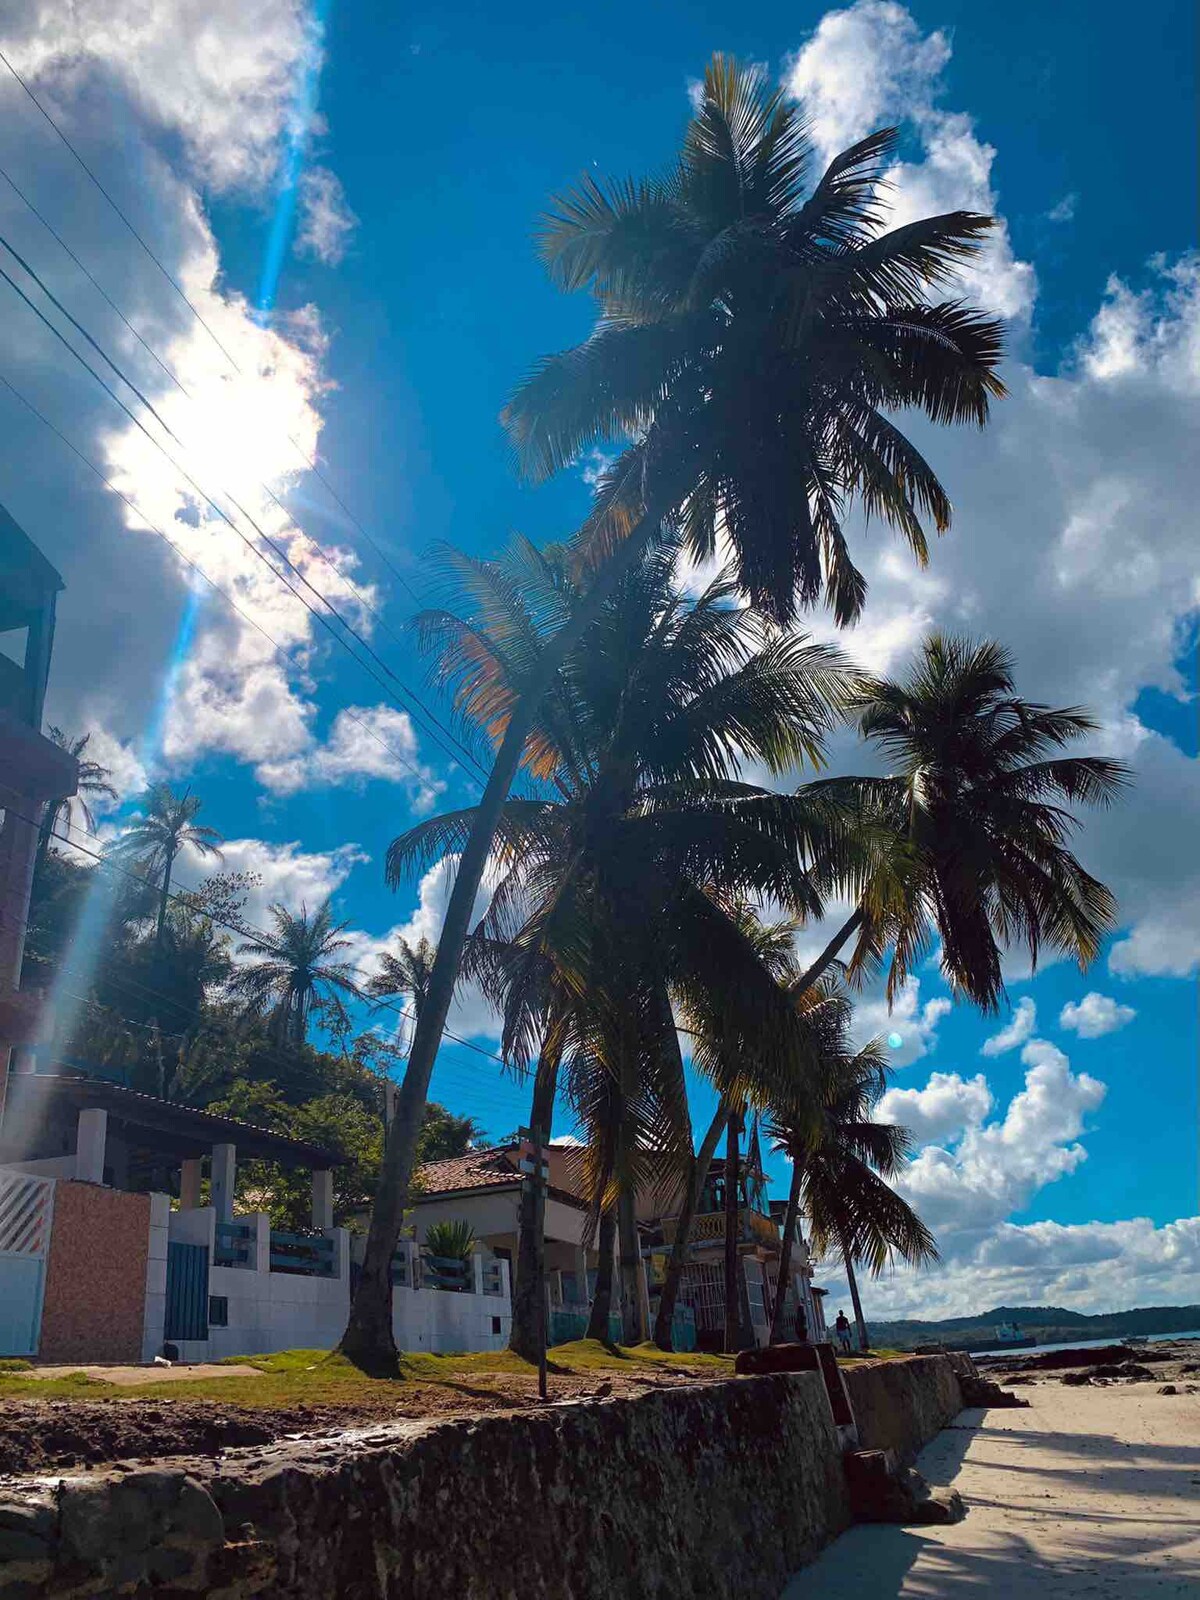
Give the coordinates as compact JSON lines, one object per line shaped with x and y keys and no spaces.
{"x":296,"y":971}
{"x":167,"y":824}
{"x":757,"y":333}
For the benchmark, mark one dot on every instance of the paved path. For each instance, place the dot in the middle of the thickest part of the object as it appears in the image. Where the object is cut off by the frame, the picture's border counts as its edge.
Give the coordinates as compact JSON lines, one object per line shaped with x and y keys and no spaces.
{"x":130,"y":1377}
{"x":1091,"y":1492}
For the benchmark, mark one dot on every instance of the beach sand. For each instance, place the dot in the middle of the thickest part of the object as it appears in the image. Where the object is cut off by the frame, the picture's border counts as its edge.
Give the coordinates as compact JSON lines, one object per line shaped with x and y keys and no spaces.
{"x":1091,"y":1492}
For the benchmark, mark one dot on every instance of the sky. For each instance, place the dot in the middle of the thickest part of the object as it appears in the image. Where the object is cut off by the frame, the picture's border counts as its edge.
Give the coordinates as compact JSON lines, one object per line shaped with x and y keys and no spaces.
{"x":345,"y":198}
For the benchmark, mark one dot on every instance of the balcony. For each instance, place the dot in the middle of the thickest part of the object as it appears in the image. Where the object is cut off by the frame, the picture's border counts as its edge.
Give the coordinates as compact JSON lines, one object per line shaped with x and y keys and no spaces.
{"x":708,"y":1229}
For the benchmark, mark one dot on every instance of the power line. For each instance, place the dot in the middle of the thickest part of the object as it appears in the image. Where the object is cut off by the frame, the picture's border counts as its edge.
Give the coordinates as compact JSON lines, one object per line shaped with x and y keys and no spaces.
{"x":249,"y":543}
{"x":347,"y":711}
{"x":178,"y":288}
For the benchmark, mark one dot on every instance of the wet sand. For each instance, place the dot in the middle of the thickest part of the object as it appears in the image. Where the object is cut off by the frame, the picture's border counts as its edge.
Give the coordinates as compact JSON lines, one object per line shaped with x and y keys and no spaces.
{"x":1091,"y":1492}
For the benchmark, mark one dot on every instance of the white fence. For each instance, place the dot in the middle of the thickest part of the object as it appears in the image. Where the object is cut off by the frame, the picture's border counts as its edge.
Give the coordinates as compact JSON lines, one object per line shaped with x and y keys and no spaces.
{"x":26,"y":1212}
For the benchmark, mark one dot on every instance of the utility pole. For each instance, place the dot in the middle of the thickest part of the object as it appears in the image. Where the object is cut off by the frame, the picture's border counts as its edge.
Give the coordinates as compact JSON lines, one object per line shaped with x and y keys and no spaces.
{"x":536,"y":1173}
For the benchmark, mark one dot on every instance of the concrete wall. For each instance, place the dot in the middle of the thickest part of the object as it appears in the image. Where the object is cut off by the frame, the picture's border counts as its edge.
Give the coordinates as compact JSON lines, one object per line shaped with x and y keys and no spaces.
{"x":95,"y":1298}
{"x":440,"y":1321}
{"x":719,"y":1491}
{"x":900,"y":1405}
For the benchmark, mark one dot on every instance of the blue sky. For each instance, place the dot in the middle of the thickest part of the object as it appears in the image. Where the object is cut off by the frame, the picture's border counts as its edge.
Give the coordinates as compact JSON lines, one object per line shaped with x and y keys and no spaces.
{"x":409,"y":300}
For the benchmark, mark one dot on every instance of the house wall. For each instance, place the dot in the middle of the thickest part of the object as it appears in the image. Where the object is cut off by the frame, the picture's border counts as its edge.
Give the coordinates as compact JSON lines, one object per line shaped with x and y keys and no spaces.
{"x":440,"y":1322}
{"x":95,"y":1298}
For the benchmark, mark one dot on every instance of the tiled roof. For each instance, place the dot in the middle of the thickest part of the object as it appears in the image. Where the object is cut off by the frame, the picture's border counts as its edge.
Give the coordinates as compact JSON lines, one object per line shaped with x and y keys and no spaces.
{"x":480,"y":1169}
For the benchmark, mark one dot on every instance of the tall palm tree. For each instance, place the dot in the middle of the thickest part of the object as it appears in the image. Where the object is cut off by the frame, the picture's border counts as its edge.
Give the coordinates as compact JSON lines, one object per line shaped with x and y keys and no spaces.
{"x":297,"y":971}
{"x":625,"y":880}
{"x":93,"y":784}
{"x":167,"y":824}
{"x":407,"y":973}
{"x":754,"y":339}
{"x":972,"y":824}
{"x":842,"y":1172}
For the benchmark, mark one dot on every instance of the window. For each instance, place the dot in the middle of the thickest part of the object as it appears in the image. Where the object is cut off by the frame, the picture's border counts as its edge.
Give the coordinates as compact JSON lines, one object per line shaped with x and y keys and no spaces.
{"x":495,"y":1324}
{"x":218,"y":1310}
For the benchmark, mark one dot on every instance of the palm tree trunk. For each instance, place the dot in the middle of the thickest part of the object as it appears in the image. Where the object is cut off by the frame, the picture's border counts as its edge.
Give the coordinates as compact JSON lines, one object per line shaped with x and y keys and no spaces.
{"x":597,"y":1327}
{"x":683,"y":1228}
{"x":163,"y":898}
{"x":733,"y":1294}
{"x":368,"y":1338}
{"x":827,"y":956}
{"x":525,"y":1336}
{"x":782,"y":1283}
{"x":631,"y":1267}
{"x":847,"y":1256}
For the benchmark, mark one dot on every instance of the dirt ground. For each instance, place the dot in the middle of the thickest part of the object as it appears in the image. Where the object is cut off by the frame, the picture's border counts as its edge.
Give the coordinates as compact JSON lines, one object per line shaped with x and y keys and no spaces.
{"x":39,"y":1435}
{"x":1093,"y":1493}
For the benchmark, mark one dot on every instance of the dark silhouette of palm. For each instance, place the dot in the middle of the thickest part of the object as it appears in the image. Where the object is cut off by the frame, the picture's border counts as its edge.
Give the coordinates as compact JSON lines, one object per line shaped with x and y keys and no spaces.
{"x":167,"y":824}
{"x":296,"y":972}
{"x":757,"y":333}
{"x":93,"y":784}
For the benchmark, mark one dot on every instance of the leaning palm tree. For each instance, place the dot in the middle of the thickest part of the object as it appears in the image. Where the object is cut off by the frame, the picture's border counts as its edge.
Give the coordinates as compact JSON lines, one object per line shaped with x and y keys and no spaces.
{"x":972,"y":824}
{"x":755,"y":339}
{"x":167,"y":824}
{"x":625,"y":881}
{"x":297,"y":971}
{"x":842,"y":1172}
{"x":92,"y":784}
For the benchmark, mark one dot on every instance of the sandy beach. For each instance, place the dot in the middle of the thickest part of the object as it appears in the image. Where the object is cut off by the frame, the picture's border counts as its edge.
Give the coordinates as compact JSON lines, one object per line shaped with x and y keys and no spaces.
{"x":1091,"y":1492}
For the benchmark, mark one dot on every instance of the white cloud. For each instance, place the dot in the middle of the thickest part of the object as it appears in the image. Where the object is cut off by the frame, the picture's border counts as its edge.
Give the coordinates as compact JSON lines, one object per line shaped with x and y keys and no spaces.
{"x":870,"y":66}
{"x":913,"y":1023}
{"x":1088,"y":1266}
{"x":364,"y":742}
{"x":1065,"y":209}
{"x":125,"y":770}
{"x":219,"y":74}
{"x":326,"y":220}
{"x":1019,"y":1029}
{"x":942,"y":1110}
{"x":291,"y":875}
{"x":1095,"y":1015}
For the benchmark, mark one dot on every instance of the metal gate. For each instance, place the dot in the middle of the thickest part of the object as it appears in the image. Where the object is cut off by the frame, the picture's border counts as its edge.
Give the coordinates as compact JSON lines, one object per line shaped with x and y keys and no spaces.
{"x":26,"y":1209}
{"x":187,"y":1292}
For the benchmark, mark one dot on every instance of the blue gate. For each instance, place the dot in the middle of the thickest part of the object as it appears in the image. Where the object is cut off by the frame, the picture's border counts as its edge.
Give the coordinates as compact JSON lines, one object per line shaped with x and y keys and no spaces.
{"x":187,"y":1292}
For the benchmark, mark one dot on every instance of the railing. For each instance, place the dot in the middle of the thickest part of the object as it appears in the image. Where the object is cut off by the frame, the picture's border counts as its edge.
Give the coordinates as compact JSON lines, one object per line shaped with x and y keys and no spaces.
{"x":493,"y":1278}
{"x":231,"y":1244}
{"x":448,"y":1272}
{"x":708,"y":1228}
{"x":309,"y":1256}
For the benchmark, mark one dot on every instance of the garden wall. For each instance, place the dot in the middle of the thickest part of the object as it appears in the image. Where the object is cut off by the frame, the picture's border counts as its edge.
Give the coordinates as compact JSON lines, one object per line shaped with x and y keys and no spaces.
{"x":95,"y":1296}
{"x":719,"y":1490}
{"x":900,"y":1405}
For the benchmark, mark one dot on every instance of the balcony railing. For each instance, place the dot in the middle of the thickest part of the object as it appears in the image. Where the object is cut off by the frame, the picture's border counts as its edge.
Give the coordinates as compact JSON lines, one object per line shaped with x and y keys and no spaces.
{"x":708,"y":1229}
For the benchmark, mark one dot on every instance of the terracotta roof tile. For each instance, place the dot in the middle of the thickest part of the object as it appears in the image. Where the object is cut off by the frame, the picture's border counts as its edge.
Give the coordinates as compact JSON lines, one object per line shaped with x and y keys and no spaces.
{"x":480,"y":1169}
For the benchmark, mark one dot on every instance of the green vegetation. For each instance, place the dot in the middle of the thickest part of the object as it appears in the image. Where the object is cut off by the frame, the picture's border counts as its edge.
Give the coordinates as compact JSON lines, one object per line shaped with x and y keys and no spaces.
{"x":453,"y":1241}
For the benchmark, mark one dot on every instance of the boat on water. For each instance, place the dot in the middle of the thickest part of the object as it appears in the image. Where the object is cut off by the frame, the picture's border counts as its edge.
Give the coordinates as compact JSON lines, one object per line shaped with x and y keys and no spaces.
{"x":1012,"y":1336}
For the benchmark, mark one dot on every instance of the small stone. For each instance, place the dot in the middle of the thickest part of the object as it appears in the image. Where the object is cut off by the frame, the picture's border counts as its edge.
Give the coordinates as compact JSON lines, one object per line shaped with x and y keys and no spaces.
{"x":942,"y":1506}
{"x":1167,"y":1388}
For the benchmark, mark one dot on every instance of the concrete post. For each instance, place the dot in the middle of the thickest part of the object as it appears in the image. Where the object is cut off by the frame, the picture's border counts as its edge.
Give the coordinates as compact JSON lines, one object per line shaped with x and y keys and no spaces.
{"x":322,"y":1199}
{"x":91,"y":1134}
{"x":18,"y":854}
{"x":224,"y":1172}
{"x":189,"y":1184}
{"x":477,"y":1272}
{"x":581,"y":1276}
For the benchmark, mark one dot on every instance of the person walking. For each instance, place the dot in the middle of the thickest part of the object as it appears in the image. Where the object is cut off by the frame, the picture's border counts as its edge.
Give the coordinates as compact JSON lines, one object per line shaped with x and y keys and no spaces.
{"x":842,"y":1328}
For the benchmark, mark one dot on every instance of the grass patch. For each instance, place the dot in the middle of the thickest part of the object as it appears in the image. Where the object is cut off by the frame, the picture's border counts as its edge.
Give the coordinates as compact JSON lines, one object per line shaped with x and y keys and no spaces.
{"x":321,"y":1377}
{"x":16,"y":1384}
{"x":15,"y":1364}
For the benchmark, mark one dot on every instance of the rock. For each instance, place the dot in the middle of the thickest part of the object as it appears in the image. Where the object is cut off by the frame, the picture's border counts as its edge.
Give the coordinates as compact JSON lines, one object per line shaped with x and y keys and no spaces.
{"x":983,"y":1392}
{"x":1167,"y":1388}
{"x":777,"y":1358}
{"x":1076,"y":1380}
{"x":942,"y":1506}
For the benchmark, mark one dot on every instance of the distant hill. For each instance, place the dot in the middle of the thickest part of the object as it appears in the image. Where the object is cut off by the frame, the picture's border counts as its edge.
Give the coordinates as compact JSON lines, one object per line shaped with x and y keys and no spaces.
{"x":1046,"y":1324}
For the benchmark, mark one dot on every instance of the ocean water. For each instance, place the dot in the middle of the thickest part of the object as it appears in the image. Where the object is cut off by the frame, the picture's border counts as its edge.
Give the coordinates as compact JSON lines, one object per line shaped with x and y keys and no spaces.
{"x":1079,"y":1344}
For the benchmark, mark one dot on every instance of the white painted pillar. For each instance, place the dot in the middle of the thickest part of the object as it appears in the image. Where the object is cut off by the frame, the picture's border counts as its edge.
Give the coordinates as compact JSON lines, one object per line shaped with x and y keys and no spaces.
{"x":322,"y":1199}
{"x":189,"y":1184}
{"x":224,"y":1171}
{"x":91,"y":1134}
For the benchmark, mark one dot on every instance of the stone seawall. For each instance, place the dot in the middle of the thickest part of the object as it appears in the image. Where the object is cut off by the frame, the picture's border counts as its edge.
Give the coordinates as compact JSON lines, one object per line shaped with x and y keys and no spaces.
{"x":718,"y":1490}
{"x":900,"y":1405}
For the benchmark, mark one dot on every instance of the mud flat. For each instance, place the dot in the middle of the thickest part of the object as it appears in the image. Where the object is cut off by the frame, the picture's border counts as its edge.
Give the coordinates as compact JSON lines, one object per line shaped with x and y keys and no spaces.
{"x":1094,"y":1491}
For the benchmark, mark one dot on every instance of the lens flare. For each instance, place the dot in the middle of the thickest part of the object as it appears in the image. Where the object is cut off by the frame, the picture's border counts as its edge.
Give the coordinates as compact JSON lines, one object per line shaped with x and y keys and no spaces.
{"x":895,"y":1040}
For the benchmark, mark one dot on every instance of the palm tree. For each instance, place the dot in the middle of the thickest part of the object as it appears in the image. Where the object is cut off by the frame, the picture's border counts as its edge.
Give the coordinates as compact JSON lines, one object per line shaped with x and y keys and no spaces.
{"x":841,"y":1172}
{"x":406,"y":973}
{"x":752,"y":337}
{"x":972,"y":824}
{"x":167,"y":824}
{"x":626,"y":881}
{"x":296,"y":971}
{"x":93,"y":783}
